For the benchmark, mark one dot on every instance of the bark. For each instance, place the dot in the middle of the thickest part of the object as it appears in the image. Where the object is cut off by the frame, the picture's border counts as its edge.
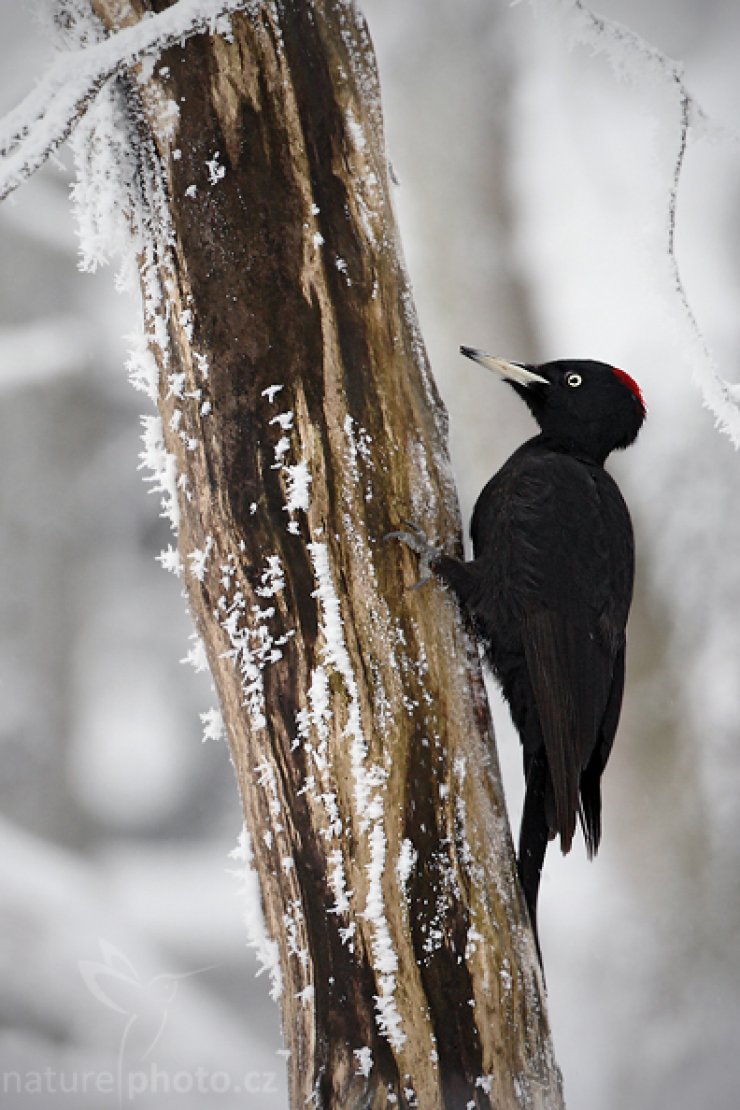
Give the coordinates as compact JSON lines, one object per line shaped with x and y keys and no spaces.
{"x":284,"y":330}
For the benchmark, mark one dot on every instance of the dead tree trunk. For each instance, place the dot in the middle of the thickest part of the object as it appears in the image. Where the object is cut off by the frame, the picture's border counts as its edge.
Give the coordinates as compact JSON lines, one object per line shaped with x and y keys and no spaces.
{"x":302,"y":423}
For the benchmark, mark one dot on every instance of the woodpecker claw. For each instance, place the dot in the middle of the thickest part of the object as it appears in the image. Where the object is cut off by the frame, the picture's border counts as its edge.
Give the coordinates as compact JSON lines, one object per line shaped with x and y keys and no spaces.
{"x":422,"y":582}
{"x":417,"y":541}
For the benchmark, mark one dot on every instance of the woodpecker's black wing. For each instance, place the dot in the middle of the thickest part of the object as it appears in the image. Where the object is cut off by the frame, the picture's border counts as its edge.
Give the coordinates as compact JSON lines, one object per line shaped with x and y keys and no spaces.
{"x":554,"y":557}
{"x":571,"y":677}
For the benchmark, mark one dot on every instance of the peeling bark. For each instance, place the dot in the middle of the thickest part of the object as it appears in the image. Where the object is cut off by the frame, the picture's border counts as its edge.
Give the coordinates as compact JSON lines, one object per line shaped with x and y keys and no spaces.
{"x":355,"y":710}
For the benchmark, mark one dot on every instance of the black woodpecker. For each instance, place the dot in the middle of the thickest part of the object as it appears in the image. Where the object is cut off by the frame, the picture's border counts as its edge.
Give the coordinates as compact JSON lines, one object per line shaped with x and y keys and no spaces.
{"x":549,"y":589}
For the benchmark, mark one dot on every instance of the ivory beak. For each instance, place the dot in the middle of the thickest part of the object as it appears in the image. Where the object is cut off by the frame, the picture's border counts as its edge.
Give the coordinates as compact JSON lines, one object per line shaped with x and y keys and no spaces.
{"x":512,"y":371}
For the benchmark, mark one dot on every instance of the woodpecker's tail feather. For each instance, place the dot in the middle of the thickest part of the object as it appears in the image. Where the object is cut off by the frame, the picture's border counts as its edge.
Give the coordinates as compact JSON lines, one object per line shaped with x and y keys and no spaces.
{"x":590,"y":809}
{"x":533,"y":837}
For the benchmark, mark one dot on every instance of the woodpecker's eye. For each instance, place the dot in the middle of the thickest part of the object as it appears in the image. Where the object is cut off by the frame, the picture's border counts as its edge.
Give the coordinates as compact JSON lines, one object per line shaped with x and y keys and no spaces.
{"x":574,"y":380}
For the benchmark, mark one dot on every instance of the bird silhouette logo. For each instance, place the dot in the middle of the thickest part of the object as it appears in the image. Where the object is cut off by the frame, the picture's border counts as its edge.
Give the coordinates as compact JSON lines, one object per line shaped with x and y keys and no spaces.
{"x":145,"y":1004}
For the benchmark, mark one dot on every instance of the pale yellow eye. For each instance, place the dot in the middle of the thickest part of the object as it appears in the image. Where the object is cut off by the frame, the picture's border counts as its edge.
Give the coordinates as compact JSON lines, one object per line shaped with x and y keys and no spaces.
{"x":574,"y":380}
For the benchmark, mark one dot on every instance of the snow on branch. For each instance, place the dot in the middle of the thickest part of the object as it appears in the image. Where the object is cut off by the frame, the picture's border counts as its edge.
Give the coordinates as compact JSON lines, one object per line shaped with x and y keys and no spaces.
{"x":631,"y":57}
{"x":40,"y":124}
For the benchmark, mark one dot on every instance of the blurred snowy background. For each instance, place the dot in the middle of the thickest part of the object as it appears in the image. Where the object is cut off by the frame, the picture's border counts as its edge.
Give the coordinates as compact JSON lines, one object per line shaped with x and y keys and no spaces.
{"x":533,"y":205}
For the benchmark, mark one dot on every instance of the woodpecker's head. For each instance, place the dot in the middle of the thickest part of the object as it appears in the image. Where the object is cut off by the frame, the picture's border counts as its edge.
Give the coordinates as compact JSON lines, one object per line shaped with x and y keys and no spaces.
{"x":581,"y":406}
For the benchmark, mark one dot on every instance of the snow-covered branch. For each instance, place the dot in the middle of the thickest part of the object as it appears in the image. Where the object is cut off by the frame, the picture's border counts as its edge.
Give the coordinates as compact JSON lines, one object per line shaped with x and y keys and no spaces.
{"x":631,"y":57}
{"x":40,"y":124}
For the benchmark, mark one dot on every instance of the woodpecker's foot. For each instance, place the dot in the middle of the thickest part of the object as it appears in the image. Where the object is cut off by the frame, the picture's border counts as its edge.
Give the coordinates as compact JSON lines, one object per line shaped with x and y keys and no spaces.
{"x":418,"y":542}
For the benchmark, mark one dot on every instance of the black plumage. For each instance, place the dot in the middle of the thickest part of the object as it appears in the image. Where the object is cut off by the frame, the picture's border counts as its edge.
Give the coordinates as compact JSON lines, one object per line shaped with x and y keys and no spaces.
{"x":549,"y":590}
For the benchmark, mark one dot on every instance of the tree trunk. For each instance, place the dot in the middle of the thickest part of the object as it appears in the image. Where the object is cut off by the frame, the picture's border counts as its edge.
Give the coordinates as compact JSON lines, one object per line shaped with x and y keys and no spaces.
{"x":298,"y":408}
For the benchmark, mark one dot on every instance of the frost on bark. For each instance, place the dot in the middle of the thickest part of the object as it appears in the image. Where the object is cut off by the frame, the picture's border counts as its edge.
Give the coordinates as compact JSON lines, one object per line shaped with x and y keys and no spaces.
{"x":300,"y":424}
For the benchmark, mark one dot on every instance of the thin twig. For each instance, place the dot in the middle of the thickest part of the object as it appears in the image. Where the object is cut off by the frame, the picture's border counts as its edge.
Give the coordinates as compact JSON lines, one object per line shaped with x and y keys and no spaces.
{"x":621,"y":44}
